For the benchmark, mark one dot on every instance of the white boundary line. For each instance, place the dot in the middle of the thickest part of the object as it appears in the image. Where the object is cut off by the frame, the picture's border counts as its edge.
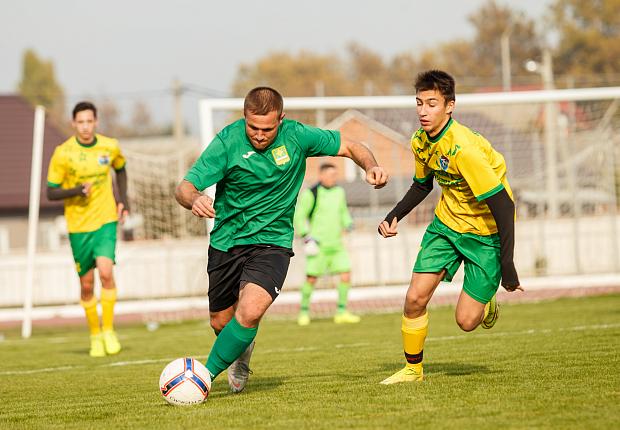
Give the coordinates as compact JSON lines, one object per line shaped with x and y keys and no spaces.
{"x":306,"y":349}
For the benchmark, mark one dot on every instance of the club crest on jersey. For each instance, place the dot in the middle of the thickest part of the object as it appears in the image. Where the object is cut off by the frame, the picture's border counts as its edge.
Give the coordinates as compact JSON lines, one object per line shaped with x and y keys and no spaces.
{"x":444,"y":162}
{"x":280,"y":155}
{"x":104,"y":160}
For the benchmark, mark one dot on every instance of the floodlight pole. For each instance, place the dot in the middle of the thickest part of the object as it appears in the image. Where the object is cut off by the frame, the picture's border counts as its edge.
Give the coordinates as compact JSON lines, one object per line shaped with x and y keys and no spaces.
{"x":551,"y":152}
{"x":33,"y":214}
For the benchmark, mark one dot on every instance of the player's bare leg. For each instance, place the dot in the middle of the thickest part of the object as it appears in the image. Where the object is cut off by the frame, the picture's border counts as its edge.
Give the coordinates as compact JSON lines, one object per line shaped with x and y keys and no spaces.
{"x":415,"y":325}
{"x":469,"y":312}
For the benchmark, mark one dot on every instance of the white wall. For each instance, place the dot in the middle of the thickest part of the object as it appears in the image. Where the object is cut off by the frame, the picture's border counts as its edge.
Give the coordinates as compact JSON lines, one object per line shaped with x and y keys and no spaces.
{"x":158,"y":269}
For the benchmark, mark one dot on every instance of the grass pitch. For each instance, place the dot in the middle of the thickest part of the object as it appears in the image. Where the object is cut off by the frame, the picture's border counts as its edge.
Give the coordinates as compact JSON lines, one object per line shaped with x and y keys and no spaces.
{"x":546,"y":365}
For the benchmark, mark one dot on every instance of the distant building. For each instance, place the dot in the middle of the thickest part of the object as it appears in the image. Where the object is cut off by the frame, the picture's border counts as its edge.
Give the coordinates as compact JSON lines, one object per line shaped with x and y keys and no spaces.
{"x":16,"y":131}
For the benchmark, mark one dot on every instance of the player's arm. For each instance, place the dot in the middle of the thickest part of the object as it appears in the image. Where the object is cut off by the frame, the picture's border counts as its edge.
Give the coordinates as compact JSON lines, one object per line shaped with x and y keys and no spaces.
{"x":190,"y":198}
{"x":485,"y":185}
{"x":503,"y":209}
{"x":345,"y":216}
{"x":416,"y":194}
{"x":121,"y":182}
{"x":356,"y":151}
{"x":300,"y":219}
{"x":123,"y":203}
{"x":57,"y":193}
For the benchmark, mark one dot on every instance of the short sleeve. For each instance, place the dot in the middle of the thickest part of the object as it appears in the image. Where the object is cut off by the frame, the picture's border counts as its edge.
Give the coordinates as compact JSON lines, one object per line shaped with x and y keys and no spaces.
{"x":210,"y":167}
{"x":56,"y":171}
{"x":316,"y":141}
{"x":478,"y":173}
{"x":422,"y":172}
{"x":119,"y":159}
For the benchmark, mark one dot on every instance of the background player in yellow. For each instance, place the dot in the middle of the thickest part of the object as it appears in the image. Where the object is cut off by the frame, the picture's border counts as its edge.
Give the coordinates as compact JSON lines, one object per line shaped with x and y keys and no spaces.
{"x":474,"y":220}
{"x":79,"y":174}
{"x":321,"y":218}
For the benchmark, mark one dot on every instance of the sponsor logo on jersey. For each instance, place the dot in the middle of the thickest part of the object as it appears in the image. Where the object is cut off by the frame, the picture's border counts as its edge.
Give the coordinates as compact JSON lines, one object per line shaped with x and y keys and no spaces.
{"x":248,"y":154}
{"x":280,"y":155}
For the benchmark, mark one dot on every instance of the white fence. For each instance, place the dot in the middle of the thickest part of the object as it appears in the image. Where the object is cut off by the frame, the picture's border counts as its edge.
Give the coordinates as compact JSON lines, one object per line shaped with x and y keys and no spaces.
{"x":167,"y":269}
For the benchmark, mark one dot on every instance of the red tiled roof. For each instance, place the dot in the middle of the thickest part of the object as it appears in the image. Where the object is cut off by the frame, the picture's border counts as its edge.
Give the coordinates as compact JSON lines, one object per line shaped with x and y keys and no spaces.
{"x":16,"y":123}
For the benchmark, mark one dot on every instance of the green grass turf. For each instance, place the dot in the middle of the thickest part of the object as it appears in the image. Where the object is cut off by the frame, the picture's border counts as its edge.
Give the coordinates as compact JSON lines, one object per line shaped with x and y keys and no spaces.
{"x":546,"y":365}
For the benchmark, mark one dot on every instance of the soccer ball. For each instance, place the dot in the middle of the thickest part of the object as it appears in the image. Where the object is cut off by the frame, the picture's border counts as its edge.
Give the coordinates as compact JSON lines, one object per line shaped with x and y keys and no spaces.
{"x":185,"y":381}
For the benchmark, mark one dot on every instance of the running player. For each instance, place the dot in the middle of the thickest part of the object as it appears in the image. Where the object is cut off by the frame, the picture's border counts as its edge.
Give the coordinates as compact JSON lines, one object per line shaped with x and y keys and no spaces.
{"x":474,"y":220}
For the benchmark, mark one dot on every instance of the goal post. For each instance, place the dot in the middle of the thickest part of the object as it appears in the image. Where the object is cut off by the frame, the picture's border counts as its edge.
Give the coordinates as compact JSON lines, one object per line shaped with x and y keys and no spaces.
{"x":561,"y":148}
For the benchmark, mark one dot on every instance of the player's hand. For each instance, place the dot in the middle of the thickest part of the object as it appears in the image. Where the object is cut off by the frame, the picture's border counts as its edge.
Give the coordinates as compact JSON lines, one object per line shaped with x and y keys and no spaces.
{"x":512,"y":288}
{"x":203,"y":207}
{"x":86,"y":187}
{"x":377,"y":176}
{"x":121,"y":212}
{"x":510,"y":279}
{"x":311,"y":246}
{"x":388,"y":230}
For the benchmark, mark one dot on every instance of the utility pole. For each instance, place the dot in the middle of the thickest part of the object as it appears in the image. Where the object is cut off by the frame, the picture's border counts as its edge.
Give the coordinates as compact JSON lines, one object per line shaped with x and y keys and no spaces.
{"x":505,"y":48}
{"x":177,"y":93}
{"x":319,"y":91}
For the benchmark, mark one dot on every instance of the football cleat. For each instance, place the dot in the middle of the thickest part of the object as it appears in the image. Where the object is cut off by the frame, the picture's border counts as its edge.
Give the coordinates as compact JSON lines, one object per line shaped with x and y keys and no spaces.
{"x":97,"y":348}
{"x":239,"y":371}
{"x":346,"y":317}
{"x":407,"y":374}
{"x":110,"y":340}
{"x":491,"y":313}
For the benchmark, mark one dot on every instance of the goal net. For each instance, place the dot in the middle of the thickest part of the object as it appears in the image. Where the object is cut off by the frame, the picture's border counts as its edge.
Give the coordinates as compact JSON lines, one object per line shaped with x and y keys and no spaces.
{"x":561,"y":148}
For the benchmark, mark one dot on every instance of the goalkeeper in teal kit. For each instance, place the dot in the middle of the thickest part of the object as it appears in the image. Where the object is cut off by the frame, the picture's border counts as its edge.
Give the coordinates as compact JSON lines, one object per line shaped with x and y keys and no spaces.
{"x":321,"y":218}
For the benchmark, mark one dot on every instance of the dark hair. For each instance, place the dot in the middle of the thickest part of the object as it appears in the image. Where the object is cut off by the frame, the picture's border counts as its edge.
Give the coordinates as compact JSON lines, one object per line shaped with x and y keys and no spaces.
{"x":81,"y":106}
{"x":262,"y":100}
{"x":436,"y":80}
{"x":326,"y":166}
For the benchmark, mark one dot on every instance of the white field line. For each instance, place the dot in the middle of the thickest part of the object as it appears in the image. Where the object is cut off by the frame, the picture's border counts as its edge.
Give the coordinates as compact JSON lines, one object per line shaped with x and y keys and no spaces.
{"x":306,"y":349}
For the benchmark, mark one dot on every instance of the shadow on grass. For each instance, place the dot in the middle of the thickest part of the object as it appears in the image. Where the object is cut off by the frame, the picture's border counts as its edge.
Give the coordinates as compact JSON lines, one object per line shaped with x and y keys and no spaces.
{"x":445,"y":368}
{"x":255,"y":384}
{"x":454,"y":368}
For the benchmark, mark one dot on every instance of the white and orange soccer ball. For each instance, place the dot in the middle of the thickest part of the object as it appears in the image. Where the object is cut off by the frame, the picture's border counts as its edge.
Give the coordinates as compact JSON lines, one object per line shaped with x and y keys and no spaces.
{"x":185,"y":382}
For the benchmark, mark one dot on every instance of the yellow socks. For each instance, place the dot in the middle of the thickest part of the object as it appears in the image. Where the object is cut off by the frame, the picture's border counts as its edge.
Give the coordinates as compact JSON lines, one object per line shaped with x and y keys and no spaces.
{"x":92,"y":317}
{"x":414,"y":332}
{"x":108,"y":299}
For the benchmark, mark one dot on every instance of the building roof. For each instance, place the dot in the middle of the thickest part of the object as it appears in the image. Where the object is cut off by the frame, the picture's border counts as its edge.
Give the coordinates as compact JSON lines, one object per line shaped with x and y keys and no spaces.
{"x":16,"y":129}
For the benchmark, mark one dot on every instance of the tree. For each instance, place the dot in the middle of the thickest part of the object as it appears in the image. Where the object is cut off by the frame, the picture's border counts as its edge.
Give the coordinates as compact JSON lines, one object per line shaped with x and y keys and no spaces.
{"x":141,"y":121}
{"x":589,"y":37}
{"x":108,"y":117}
{"x":294,"y":75}
{"x":491,"y":21}
{"x":39,"y":86}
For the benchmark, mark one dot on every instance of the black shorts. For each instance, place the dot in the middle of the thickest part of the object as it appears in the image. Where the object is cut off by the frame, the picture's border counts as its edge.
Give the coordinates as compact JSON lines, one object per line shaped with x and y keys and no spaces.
{"x":264,"y":265}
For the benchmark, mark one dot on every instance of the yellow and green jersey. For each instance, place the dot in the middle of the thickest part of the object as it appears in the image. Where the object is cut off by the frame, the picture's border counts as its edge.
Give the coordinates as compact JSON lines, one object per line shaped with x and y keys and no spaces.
{"x":468,"y":170}
{"x":74,"y":163}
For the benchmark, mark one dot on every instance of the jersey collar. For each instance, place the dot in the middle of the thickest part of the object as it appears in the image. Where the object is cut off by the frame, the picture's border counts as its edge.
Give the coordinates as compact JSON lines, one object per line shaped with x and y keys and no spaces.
{"x":86,"y":145}
{"x":441,"y":133}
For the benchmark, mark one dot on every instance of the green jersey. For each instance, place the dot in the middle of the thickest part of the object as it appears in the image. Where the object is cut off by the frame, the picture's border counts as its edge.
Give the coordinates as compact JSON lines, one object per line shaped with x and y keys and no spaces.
{"x":257,"y":190}
{"x":329,"y":218}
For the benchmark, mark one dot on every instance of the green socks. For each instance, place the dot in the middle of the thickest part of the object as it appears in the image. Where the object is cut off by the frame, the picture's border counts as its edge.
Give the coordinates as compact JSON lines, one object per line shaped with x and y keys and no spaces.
{"x":343,"y":295}
{"x":229,"y":345}
{"x":306,"y":292}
